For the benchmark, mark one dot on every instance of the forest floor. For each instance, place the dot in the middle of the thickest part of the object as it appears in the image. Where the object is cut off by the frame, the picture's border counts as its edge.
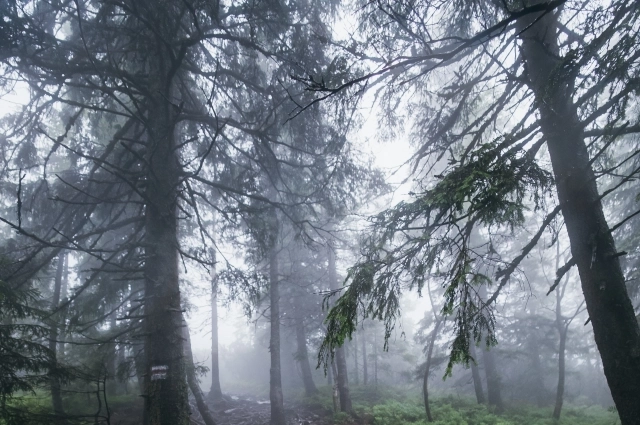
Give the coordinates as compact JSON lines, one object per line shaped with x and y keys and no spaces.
{"x":252,"y":411}
{"x":372,"y":406}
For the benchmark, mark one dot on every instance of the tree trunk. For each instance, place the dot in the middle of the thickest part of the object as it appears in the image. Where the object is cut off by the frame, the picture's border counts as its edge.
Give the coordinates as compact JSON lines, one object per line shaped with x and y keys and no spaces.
{"x":192,"y":379}
{"x":335,"y":393}
{"x":365,"y":372}
{"x":537,"y":371}
{"x":340,"y":357}
{"x":375,"y":357}
{"x":56,"y":394}
{"x":111,"y":357}
{"x":493,"y":379}
{"x":215,"y":394}
{"x":427,"y":368}
{"x":355,"y":358}
{"x":303,"y":358}
{"x":122,"y":358}
{"x":475,"y":374}
{"x":275,"y":388}
{"x":615,"y":327}
{"x":561,"y":374}
{"x":63,"y":296}
{"x":166,"y":392}
{"x":330,"y":375}
{"x":139,"y":363}
{"x":494,"y":391}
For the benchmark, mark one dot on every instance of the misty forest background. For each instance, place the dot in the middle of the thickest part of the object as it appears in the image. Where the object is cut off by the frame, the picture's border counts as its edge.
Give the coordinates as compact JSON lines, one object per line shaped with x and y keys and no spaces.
{"x":319,"y":211}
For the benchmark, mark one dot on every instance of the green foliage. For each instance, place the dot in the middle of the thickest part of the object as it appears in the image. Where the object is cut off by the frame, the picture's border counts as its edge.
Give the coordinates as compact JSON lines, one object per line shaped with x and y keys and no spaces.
{"x":391,"y":406}
{"x":81,"y":408}
{"x":430,"y":237}
{"x":25,"y":362}
{"x":448,"y":411}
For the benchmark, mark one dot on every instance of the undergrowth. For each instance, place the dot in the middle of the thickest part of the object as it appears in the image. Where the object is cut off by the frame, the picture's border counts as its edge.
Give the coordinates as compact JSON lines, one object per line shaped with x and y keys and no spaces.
{"x":390,"y":406}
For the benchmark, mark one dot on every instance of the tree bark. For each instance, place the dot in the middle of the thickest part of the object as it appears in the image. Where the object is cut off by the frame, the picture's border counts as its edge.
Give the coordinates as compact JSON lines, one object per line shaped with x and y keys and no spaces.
{"x":166,"y":391}
{"x":275,"y":387}
{"x":303,"y":358}
{"x":192,"y":379}
{"x":215,"y":394}
{"x":56,"y":393}
{"x":615,"y":327}
{"x":340,"y":357}
{"x":427,"y":368}
{"x":475,"y":374}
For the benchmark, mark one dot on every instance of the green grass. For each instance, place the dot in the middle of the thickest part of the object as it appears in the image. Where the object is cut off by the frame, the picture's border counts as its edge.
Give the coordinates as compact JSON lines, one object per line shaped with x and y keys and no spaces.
{"x":36,"y":409}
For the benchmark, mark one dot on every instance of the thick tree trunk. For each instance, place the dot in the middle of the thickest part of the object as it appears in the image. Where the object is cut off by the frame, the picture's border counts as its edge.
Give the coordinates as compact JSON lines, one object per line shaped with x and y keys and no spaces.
{"x":340,"y":356}
{"x":427,"y":369}
{"x":192,"y":379}
{"x":166,"y":392}
{"x":215,"y":393}
{"x":475,"y":374}
{"x":275,"y":387}
{"x":614,"y":323}
{"x":302,"y":356}
{"x":56,"y":394}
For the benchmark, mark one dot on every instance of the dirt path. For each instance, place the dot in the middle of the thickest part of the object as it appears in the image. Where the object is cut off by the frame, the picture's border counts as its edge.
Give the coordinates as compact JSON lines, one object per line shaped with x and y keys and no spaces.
{"x":249,"y":411}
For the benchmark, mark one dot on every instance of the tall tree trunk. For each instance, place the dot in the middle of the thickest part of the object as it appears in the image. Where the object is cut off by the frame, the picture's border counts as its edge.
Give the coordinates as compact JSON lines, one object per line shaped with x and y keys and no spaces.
{"x":330,"y":375}
{"x":192,"y":379}
{"x":494,"y":392}
{"x":166,"y":391}
{"x":561,"y":373}
{"x":427,"y":369}
{"x":63,"y":297}
{"x":302,"y":356}
{"x":275,"y":387}
{"x":375,"y":357}
{"x":537,"y":371}
{"x":111,"y":357}
{"x":615,"y":327}
{"x":56,"y":395}
{"x":215,"y":393}
{"x":139,"y":363}
{"x":340,"y":357}
{"x":355,"y":358}
{"x":475,"y":374}
{"x":122,"y":358}
{"x":365,"y":372}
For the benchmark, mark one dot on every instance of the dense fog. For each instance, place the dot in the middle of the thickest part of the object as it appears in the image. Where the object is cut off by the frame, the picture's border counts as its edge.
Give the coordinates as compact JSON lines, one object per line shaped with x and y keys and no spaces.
{"x":319,"y":212}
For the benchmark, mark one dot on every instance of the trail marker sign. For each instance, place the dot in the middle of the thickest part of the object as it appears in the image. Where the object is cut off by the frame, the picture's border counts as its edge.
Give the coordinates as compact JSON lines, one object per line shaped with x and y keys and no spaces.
{"x":159,"y":372}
